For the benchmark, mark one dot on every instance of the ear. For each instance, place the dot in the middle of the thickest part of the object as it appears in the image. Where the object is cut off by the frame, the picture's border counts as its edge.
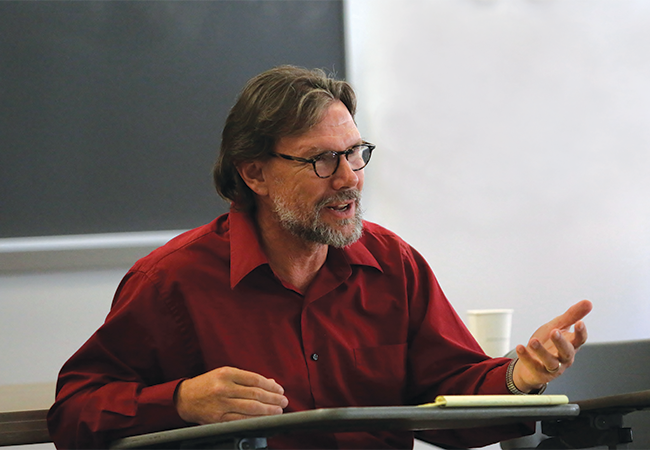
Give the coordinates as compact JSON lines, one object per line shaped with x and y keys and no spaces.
{"x":253,"y":175}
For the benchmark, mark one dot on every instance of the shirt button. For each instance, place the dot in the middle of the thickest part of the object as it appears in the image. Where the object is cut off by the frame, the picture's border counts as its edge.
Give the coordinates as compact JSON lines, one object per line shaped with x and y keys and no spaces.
{"x":314,"y":356}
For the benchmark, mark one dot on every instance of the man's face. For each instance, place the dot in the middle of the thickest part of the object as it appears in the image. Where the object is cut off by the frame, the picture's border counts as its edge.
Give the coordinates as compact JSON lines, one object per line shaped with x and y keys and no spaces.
{"x":320,"y":210}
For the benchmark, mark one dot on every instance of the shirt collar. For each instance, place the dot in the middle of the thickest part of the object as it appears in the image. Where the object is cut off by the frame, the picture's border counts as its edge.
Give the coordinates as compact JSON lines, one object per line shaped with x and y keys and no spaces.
{"x":245,"y":251}
{"x":246,"y":254}
{"x":358,"y":254}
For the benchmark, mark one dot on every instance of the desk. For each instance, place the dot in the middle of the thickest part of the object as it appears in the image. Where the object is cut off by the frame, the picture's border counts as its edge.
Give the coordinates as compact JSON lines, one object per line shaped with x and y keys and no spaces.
{"x":23,"y":427}
{"x":353,"y":419}
{"x":600,"y":423}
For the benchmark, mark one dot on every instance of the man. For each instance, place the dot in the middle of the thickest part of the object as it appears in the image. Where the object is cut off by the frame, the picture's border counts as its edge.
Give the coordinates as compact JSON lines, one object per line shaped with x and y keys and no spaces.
{"x":289,"y":302}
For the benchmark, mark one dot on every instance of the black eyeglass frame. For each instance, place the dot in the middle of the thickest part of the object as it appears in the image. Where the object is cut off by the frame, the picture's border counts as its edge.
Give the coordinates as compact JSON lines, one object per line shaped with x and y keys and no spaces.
{"x":317,"y":158}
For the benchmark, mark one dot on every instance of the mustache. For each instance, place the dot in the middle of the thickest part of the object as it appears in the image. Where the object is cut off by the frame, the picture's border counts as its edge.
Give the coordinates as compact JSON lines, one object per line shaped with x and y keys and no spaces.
{"x":344,"y":196}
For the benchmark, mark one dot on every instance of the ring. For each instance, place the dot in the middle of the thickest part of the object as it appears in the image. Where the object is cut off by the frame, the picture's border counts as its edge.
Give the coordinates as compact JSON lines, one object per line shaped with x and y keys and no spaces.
{"x":556,"y":369}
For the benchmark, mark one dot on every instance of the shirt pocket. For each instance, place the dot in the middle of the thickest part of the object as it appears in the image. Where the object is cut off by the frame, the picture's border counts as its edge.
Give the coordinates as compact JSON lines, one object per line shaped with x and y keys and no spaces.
{"x":381,"y":373}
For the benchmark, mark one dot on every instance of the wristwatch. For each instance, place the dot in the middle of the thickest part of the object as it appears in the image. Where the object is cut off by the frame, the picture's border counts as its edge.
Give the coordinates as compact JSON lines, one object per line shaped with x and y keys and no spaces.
{"x":510,"y":382}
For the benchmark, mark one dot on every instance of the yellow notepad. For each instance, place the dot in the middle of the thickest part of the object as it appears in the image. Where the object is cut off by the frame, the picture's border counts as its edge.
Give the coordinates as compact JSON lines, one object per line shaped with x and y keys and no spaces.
{"x":468,"y":401}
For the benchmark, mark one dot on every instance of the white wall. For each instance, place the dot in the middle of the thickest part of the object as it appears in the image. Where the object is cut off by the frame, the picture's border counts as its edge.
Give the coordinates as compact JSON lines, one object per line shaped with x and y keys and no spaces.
{"x":513,"y":146}
{"x":45,"y":317}
{"x":513,"y":150}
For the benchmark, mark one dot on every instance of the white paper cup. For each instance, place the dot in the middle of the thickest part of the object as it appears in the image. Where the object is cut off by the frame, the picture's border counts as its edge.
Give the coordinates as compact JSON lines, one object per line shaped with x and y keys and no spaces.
{"x":491,"y":328}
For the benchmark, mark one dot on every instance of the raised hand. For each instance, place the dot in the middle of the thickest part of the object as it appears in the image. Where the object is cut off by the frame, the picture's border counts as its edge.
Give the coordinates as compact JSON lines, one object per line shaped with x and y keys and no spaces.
{"x":552,"y":348}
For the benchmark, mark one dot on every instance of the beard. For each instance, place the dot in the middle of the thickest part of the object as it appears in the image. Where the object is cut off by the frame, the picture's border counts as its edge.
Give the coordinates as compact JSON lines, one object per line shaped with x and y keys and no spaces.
{"x":308,"y":224}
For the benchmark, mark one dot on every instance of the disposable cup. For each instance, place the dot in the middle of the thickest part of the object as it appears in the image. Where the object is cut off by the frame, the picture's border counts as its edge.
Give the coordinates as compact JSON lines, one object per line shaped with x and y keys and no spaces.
{"x":491,"y":329}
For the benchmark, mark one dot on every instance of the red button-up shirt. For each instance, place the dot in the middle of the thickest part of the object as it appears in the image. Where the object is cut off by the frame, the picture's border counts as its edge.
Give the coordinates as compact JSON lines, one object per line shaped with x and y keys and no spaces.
{"x":373,"y":328}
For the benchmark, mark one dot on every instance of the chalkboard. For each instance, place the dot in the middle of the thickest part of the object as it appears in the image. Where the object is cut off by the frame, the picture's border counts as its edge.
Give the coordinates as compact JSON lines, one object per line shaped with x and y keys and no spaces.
{"x":111,"y":111}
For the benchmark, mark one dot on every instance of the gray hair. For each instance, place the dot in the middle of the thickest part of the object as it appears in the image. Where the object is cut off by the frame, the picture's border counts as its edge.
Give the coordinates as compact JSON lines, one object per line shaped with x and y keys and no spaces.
{"x":283,"y":101}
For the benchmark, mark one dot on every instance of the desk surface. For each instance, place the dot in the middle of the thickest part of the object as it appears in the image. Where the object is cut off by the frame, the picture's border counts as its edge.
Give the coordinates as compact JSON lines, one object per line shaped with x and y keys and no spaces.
{"x":622,"y":402}
{"x":356,"y":419}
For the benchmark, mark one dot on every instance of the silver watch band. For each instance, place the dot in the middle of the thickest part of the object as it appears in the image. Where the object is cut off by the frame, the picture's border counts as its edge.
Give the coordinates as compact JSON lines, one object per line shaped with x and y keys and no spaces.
{"x":511,"y":383}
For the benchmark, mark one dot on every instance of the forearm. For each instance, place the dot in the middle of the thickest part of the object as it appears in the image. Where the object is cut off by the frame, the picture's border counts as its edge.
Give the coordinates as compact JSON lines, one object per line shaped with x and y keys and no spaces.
{"x":93,"y":418}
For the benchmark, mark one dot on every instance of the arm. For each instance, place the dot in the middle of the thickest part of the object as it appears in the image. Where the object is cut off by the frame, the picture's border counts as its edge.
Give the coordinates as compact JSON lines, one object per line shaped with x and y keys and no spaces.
{"x":122,"y":380}
{"x":143,"y":363}
{"x":445,"y":357}
{"x":447,"y":360}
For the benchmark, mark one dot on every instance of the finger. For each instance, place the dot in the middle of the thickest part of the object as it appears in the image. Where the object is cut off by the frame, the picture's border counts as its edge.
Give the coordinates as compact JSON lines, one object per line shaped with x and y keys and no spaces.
{"x":525,"y":357}
{"x":548,"y":361}
{"x":532,"y":372}
{"x":259,"y":395}
{"x":579,"y":335}
{"x":252,"y":379}
{"x":572,"y":315}
{"x":241,"y":409}
{"x":232,"y":415}
{"x":564,"y":348}
{"x":243,"y":384}
{"x":251,"y":408}
{"x":531,"y":362}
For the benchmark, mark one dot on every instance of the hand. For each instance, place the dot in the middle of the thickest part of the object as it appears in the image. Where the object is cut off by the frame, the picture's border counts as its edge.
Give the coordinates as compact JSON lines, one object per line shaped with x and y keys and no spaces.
{"x":552,"y":348}
{"x":226,"y":394}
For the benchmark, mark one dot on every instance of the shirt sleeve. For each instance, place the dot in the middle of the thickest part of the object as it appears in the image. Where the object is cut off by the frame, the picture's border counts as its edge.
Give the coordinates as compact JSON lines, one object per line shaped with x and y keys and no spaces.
{"x":122,"y":381}
{"x":445,"y":359}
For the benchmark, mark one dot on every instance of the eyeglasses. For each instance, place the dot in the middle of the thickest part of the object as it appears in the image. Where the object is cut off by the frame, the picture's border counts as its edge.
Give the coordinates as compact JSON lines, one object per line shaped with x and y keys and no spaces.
{"x":326,"y":164}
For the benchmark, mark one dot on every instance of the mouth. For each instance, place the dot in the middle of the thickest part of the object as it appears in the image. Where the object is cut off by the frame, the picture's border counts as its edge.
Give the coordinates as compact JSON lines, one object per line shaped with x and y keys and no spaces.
{"x":341,"y":213}
{"x":341,"y":207}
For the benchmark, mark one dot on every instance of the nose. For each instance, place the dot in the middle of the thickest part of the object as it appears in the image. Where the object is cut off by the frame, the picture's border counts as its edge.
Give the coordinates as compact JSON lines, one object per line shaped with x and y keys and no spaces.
{"x":345,"y":177}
